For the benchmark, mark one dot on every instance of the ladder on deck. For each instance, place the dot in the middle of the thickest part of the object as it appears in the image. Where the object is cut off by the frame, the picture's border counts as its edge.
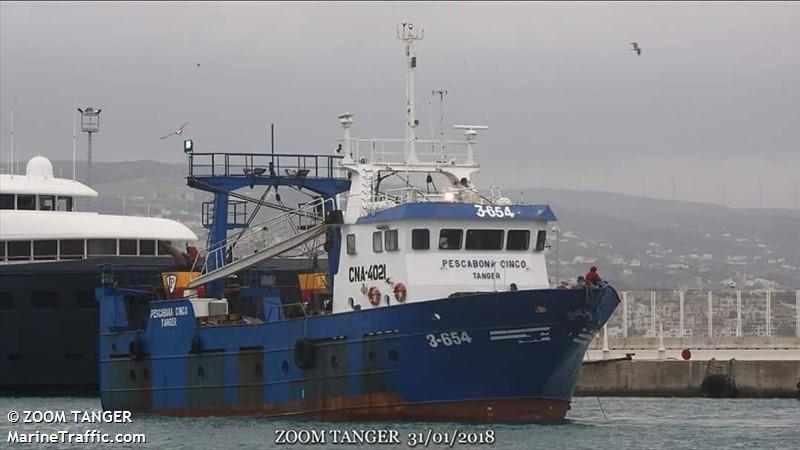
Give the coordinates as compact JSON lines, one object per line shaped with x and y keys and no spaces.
{"x":259,"y":255}
{"x":218,"y":261}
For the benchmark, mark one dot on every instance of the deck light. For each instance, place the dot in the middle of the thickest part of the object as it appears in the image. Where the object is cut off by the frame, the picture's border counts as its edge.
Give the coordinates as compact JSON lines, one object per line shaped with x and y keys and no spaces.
{"x":188,"y":146}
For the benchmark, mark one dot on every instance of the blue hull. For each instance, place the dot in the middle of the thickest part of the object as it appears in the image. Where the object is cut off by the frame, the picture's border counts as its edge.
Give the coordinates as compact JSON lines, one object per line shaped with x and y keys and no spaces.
{"x":506,"y":356}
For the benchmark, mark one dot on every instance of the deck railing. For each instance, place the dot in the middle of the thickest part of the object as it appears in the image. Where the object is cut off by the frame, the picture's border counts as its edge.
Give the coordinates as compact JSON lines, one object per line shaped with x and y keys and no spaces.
{"x":265,"y":164}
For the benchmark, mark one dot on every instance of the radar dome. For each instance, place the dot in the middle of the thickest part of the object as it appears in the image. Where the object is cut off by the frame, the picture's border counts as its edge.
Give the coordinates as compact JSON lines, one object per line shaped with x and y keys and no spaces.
{"x":39,"y":167}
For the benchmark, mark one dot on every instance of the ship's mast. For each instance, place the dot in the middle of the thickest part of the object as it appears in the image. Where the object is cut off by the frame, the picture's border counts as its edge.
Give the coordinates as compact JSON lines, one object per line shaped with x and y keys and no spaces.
{"x":408,"y":35}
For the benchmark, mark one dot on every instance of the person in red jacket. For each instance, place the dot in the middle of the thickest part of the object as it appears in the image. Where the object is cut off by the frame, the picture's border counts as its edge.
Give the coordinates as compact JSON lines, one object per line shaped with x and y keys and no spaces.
{"x":592,"y":276}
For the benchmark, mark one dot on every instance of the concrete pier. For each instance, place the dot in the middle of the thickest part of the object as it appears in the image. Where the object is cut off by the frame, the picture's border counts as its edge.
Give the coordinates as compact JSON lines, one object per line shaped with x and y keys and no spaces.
{"x":676,"y":378}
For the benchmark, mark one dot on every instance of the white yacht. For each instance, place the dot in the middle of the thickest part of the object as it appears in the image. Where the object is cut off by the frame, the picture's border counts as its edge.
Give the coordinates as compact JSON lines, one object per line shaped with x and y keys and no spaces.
{"x":49,"y":255}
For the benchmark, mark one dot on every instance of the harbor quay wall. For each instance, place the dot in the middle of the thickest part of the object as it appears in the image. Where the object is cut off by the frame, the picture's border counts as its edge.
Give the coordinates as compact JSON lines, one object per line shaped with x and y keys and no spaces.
{"x":675,"y":378}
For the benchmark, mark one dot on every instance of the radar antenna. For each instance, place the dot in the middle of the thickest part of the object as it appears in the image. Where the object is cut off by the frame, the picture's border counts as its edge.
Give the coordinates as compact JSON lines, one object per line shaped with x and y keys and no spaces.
{"x":407,"y":34}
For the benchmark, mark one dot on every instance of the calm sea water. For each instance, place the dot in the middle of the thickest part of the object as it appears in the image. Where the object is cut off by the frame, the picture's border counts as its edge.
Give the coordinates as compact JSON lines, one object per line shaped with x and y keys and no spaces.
{"x":628,"y":423}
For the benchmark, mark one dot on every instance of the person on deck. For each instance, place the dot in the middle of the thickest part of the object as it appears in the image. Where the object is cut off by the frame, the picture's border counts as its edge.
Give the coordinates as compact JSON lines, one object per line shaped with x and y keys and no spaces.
{"x":592,"y":276}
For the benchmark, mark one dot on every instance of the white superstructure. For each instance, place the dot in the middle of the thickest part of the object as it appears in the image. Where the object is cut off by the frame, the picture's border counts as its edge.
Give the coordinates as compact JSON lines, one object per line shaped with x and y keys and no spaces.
{"x":38,"y":222}
{"x":416,"y":227}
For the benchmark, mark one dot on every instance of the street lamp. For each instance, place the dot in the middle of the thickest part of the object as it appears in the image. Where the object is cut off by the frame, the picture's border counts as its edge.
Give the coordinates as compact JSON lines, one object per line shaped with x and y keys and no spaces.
{"x":90,"y":123}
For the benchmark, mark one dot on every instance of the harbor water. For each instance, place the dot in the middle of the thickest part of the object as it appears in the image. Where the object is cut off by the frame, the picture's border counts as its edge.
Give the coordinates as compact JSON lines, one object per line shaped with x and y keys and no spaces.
{"x":593,"y":423}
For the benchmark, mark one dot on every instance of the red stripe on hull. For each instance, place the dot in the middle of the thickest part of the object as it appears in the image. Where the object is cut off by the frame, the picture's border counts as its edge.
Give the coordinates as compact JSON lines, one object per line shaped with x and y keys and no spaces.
{"x":387,"y":407}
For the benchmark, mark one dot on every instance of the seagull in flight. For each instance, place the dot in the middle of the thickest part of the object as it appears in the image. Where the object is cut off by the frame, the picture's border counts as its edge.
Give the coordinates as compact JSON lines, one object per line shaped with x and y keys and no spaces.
{"x":176,"y":132}
{"x":197,"y":64}
{"x":635,"y":48}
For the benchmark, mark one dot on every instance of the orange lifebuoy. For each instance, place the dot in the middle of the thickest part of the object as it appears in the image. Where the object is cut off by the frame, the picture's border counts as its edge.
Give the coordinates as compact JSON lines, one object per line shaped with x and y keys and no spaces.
{"x":400,"y":292}
{"x":374,"y":295}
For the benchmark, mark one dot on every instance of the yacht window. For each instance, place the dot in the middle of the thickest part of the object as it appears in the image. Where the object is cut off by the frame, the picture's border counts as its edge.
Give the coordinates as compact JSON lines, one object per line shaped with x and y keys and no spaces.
{"x":147,"y":248}
{"x":484,"y":240}
{"x":45,"y":249}
{"x":420,"y":239}
{"x":377,"y":242}
{"x":71,"y":248}
{"x":44,"y":299}
{"x":65,"y":203}
{"x":127,"y":246}
{"x":518,"y":240}
{"x":6,"y":201}
{"x":100,"y":247}
{"x":19,"y":250}
{"x":6,"y":301}
{"x":2,"y":251}
{"x":26,"y":202}
{"x":47,"y":203}
{"x":86,"y":299}
{"x":541,"y":240}
{"x":351,"y":244}
{"x":450,"y":239}
{"x":390,"y":240}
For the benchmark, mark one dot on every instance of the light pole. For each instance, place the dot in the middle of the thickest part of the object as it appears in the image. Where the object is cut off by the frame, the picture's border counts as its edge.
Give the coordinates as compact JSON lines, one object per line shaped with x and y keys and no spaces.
{"x":90,"y":123}
{"x":557,"y":231}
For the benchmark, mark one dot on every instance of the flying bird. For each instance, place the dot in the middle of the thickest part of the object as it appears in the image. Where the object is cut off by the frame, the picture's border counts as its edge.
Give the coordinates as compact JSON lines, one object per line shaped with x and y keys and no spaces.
{"x":176,"y":132}
{"x":197,"y":64}
{"x":636,"y":48}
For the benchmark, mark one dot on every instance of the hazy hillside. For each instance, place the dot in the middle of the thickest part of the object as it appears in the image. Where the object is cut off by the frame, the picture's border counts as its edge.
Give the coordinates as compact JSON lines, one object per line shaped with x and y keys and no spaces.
{"x":636,"y":242}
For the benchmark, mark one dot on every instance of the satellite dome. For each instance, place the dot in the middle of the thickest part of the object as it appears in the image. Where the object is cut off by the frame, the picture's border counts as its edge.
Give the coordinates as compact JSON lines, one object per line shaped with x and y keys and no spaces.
{"x":39,"y":167}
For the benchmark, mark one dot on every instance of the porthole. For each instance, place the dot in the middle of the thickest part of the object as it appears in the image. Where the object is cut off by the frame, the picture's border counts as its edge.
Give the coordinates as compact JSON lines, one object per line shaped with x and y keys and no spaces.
{"x":394,"y":355}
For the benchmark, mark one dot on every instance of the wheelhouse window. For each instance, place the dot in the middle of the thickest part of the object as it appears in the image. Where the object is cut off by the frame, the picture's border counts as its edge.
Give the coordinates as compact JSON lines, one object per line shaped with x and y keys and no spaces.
{"x":6,"y":201}
{"x":101,"y":247}
{"x":26,"y":202}
{"x":71,"y":248}
{"x":65,"y":204}
{"x":450,"y":239}
{"x":147,"y":248}
{"x":541,"y":240}
{"x":127,"y":246}
{"x":390,"y":240}
{"x":351,"y":244}
{"x":19,"y":250}
{"x":45,"y":250}
{"x":377,"y":242}
{"x":47,"y":203}
{"x":484,"y":240}
{"x":420,"y":239}
{"x":518,"y":240}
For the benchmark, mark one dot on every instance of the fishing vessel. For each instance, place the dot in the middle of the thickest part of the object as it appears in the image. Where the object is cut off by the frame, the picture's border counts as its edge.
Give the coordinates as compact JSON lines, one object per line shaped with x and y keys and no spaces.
{"x":435,"y":305}
{"x":49,"y":254}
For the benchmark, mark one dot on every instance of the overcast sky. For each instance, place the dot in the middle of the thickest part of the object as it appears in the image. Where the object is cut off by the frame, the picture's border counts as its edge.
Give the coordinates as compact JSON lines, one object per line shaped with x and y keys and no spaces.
{"x":713,"y":102}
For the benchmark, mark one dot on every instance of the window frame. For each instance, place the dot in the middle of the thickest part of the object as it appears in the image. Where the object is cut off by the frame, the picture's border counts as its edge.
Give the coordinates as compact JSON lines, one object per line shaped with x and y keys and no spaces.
{"x":527,"y":240}
{"x":484,"y":230}
{"x":30,"y":197}
{"x":460,"y":238}
{"x":427,"y":241}
{"x":9,"y":257}
{"x":45,"y":256}
{"x":541,"y":241}
{"x":64,"y":255}
{"x":386,"y":240}
{"x":350,"y":244}
{"x":377,"y":241}
{"x":13,"y":204}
